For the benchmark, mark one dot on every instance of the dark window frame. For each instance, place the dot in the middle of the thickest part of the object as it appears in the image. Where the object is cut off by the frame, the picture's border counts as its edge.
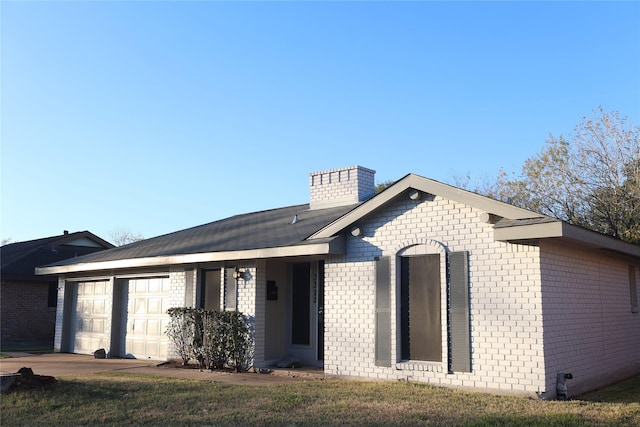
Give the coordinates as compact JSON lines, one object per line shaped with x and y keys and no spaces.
{"x":421,"y":308}
{"x":52,"y":296}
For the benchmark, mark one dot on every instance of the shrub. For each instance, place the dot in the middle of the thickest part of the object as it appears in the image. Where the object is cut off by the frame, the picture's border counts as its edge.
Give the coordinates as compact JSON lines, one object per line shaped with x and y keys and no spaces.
{"x":214,"y":339}
{"x":181,"y":330}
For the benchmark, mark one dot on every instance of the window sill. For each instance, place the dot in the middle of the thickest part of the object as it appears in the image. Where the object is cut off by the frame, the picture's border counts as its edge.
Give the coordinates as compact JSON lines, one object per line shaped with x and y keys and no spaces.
{"x":417,"y":365}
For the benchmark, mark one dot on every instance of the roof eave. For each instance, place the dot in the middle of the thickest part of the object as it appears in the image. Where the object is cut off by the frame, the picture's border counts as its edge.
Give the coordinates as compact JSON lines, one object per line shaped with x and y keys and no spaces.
{"x":566,"y":232}
{"x":334,"y":245}
{"x":528,"y":232}
{"x":429,"y":186}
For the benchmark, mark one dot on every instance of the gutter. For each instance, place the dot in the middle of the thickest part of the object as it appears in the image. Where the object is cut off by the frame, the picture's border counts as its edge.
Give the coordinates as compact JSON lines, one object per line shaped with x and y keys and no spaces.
{"x":334,"y":245}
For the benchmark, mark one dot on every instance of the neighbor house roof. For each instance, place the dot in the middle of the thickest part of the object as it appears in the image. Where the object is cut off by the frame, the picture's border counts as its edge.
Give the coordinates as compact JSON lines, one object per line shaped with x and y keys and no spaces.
{"x":19,"y":260}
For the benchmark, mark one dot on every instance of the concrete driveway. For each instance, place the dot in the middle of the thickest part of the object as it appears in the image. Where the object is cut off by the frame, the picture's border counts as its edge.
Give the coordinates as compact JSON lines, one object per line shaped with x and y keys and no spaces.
{"x":57,"y":364}
{"x":61,"y":364}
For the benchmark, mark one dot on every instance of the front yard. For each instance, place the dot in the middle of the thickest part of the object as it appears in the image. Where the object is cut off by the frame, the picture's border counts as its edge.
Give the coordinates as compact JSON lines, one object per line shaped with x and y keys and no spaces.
{"x":126,"y":399}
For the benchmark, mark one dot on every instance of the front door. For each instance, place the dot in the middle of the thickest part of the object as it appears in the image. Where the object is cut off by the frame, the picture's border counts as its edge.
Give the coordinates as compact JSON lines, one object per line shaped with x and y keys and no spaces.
{"x":305,"y":318}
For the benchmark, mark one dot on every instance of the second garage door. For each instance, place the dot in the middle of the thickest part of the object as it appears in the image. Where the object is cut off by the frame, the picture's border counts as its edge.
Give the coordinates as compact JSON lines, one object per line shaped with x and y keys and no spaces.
{"x":147,"y":318}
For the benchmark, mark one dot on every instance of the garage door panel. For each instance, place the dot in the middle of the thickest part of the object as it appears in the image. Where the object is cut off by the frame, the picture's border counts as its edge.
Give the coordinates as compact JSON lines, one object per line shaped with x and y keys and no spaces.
{"x":147,"y":318}
{"x":90,"y":327}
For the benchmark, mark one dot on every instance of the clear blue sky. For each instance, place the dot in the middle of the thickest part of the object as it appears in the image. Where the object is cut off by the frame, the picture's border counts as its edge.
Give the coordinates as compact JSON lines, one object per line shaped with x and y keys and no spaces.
{"x":158,"y":116}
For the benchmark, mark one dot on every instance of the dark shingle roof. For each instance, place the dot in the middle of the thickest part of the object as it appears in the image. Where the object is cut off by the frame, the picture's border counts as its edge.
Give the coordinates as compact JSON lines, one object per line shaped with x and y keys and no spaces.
{"x":257,"y":230}
{"x":20,"y":259}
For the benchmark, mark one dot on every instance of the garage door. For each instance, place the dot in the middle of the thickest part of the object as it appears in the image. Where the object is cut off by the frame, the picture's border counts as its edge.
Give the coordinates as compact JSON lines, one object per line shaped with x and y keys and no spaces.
{"x":147,"y":318}
{"x":91,"y":320}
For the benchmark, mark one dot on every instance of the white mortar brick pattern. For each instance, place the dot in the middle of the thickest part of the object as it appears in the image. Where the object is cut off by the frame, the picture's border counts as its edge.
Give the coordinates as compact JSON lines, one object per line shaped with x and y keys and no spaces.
{"x":260,"y":321}
{"x":247,"y":303}
{"x":506,"y":306}
{"x":57,"y":337}
{"x":348,"y":185}
{"x":177,"y":285}
{"x":590,"y":330}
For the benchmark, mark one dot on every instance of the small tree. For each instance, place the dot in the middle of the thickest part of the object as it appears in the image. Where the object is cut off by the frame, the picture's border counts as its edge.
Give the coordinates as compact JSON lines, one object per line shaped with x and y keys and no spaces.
{"x":591,"y":180}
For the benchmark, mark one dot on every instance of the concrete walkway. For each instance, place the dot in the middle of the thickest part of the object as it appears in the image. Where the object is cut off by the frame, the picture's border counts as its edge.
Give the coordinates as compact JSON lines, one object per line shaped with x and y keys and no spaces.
{"x":61,"y":364}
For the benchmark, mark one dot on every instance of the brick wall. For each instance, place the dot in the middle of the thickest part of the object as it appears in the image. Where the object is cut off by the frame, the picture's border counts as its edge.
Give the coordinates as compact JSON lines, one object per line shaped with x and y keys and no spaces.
{"x":506,"y":323}
{"x":24,"y":312}
{"x":590,"y":329}
{"x":180,"y":277}
{"x":59,"y":322}
{"x":343,"y":186}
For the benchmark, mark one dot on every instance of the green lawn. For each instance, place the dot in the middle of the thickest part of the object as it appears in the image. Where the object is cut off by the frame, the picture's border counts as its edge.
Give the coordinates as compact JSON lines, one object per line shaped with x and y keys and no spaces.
{"x":27,"y":348}
{"x":125,"y":399}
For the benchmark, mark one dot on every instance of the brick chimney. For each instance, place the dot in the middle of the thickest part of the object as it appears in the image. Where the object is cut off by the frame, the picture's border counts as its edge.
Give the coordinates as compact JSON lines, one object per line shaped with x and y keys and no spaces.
{"x":340,"y":187}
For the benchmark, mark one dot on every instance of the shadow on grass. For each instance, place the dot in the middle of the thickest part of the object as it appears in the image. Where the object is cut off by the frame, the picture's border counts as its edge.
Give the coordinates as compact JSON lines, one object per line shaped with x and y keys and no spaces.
{"x":627,"y":391}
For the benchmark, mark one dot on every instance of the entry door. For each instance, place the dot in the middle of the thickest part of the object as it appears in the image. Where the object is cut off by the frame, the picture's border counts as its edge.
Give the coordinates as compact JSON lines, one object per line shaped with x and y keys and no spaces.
{"x":147,"y":318}
{"x":90,"y":322}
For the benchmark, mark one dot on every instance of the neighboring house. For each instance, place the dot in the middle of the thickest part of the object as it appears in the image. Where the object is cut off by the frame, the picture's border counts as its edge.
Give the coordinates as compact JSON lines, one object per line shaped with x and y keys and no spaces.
{"x":422,"y":282}
{"x":27,"y":301}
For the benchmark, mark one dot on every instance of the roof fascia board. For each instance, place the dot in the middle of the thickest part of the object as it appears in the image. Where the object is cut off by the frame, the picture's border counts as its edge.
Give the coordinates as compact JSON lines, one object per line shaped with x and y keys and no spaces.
{"x":425,"y":185}
{"x":566,"y":231}
{"x":333,"y":246}
{"x":601,"y":241}
{"x":531,"y":231}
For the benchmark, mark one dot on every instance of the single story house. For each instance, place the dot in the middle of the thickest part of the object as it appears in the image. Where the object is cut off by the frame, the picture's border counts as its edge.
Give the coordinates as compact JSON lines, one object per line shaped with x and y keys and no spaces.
{"x":28,"y":302}
{"x":421,"y":282}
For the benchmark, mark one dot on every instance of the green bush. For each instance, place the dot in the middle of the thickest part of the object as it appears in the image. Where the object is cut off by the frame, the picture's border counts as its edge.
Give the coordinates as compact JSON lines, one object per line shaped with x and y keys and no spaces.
{"x":214,"y":339}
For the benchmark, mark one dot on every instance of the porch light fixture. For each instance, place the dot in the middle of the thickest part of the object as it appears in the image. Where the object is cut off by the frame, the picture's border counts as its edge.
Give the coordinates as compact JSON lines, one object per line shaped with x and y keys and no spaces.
{"x":356,"y":231}
{"x":414,"y":194}
{"x":239,"y":274}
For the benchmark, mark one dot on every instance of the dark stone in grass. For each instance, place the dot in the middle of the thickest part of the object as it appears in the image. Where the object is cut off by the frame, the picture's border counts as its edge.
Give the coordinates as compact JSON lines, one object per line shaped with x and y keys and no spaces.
{"x":25,"y":379}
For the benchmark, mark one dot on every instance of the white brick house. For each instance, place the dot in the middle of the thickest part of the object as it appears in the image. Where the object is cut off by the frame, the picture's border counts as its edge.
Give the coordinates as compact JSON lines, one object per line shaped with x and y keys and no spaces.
{"x":421,"y":282}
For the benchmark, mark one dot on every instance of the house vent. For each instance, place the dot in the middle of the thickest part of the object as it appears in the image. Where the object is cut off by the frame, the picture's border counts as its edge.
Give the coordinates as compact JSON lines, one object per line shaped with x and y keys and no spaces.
{"x":340,"y":187}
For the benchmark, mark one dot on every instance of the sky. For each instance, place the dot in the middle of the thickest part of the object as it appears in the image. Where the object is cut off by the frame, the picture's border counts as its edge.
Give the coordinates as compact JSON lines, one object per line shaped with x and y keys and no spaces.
{"x":154,"y":117}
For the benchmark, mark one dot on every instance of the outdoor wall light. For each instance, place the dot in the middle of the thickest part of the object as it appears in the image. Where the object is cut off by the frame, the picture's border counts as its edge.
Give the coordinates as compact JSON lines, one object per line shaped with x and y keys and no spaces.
{"x":414,"y":194}
{"x":239,"y":274}
{"x":356,"y":231}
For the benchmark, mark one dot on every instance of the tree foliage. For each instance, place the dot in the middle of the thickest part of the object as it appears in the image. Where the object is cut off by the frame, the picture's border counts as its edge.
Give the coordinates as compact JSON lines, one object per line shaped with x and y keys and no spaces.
{"x":124,"y":236}
{"x":591,"y":180}
{"x":383,"y":186}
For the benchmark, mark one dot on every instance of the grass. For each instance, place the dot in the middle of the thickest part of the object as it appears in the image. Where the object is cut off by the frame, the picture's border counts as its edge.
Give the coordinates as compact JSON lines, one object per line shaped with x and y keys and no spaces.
{"x":32,"y":347}
{"x":125,"y":399}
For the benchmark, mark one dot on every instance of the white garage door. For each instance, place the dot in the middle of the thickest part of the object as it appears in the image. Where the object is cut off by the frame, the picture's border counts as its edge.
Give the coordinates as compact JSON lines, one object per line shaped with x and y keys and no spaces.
{"x":91,"y":317}
{"x":147,"y":318}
